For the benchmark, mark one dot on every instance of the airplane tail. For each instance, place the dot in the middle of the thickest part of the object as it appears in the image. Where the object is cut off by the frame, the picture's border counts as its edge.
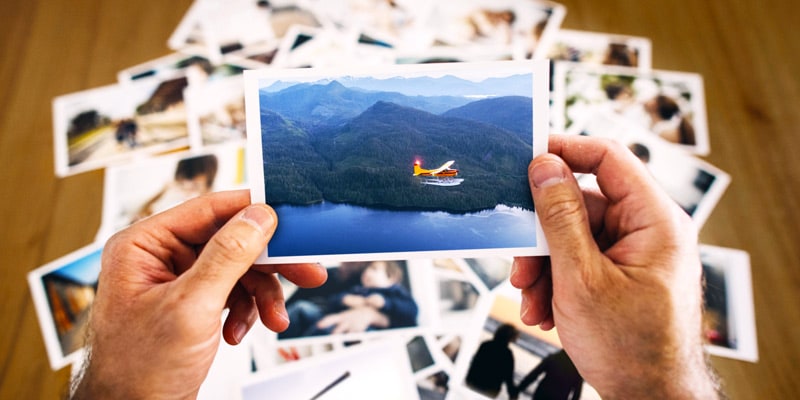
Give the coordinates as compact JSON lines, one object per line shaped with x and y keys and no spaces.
{"x":417,"y":169}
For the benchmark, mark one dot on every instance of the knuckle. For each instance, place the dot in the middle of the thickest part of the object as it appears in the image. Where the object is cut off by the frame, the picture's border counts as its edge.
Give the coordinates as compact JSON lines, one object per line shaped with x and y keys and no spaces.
{"x":562,"y":210}
{"x":227,"y":246}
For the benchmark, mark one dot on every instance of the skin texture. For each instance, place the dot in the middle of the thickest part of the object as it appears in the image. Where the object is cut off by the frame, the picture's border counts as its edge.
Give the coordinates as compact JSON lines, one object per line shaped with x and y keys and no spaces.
{"x":622,"y":283}
{"x":623,"y":280}
{"x":156,"y":320}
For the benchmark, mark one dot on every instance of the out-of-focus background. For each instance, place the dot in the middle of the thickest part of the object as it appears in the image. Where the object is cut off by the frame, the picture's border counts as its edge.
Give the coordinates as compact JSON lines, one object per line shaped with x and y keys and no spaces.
{"x":746,"y":52}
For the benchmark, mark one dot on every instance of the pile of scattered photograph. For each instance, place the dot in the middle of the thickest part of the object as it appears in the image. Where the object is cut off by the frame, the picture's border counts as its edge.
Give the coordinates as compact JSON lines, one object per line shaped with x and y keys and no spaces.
{"x":174,"y":128}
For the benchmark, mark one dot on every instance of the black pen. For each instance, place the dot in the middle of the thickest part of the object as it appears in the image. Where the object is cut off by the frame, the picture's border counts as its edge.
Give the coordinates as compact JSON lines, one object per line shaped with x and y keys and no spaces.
{"x":332,"y":384}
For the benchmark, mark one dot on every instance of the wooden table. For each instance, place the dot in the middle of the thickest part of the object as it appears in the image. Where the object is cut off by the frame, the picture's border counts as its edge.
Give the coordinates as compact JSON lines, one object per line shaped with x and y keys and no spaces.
{"x":746,"y":51}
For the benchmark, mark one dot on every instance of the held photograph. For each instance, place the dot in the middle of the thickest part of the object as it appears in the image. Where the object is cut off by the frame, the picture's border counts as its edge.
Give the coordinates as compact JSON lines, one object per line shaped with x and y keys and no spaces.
{"x":398,"y":162}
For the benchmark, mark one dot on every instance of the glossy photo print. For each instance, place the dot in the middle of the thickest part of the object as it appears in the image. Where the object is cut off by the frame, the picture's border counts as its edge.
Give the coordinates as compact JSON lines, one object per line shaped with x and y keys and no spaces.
{"x":398,"y":161}
{"x":669,"y":104}
{"x":111,"y":124}
{"x":729,"y":325}
{"x":63,"y":291}
{"x":502,"y":358}
{"x":693,"y":183}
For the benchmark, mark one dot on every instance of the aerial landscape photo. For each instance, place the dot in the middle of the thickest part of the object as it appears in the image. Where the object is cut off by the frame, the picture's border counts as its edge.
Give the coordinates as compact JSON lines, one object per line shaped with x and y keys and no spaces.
{"x":444,"y":146}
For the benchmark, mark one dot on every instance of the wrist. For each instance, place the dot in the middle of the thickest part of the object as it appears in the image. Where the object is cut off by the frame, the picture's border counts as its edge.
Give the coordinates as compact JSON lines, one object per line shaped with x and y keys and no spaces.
{"x":680,"y":378}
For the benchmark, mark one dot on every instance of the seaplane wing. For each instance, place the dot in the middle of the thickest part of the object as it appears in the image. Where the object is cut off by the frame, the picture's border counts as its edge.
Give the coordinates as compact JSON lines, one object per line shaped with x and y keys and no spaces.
{"x":442,"y":168}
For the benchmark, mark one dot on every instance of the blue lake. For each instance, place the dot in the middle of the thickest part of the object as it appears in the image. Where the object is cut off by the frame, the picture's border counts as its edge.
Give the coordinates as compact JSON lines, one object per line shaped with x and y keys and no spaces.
{"x":328,"y":228}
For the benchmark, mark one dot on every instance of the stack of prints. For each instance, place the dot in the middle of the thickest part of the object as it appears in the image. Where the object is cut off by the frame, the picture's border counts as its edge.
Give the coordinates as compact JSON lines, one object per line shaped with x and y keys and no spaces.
{"x":408,"y":126}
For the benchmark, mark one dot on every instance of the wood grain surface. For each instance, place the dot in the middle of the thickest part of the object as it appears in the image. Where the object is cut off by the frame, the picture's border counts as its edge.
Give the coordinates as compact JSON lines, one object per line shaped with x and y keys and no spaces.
{"x":746,"y":51}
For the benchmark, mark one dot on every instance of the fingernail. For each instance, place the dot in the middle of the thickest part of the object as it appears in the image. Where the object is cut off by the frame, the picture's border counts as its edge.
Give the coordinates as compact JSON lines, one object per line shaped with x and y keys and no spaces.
{"x":547,"y":173}
{"x":280,"y":311}
{"x":239,"y":331}
{"x":524,"y":308}
{"x":259,"y":217}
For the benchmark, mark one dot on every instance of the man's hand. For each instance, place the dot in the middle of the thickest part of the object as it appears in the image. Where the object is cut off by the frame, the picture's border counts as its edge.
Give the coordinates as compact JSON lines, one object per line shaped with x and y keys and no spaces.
{"x":623,"y":279}
{"x":156,"y":320}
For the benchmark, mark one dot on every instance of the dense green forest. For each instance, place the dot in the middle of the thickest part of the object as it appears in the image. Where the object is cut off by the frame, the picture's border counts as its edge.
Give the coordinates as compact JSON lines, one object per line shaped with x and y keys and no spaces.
{"x":368,"y":160}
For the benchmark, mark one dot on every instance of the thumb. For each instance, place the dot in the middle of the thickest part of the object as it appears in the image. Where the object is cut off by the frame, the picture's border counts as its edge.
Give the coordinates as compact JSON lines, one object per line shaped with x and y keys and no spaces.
{"x":561,"y":210}
{"x":230,"y":253}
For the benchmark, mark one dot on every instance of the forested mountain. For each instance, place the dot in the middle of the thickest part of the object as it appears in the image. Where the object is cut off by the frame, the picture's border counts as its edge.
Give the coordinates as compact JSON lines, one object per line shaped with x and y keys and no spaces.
{"x":427,"y":86}
{"x":331,"y":104}
{"x":513,"y":113}
{"x":368,"y":160}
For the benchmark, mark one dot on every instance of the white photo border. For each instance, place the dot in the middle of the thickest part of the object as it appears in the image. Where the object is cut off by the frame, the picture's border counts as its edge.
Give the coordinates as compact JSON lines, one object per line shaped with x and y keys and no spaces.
{"x":540,"y":71}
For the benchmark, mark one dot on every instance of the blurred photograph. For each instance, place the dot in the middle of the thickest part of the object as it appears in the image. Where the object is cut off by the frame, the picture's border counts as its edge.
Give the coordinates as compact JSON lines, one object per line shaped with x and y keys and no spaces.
{"x":729,"y":323}
{"x":597,"y":48}
{"x":526,"y":28}
{"x":63,"y":291}
{"x":394,"y":24}
{"x":135,"y":191}
{"x":108,"y":125}
{"x":215,"y":112}
{"x":670,"y":105}
{"x":694,"y":184}
{"x":505,"y":359}
{"x":222,"y":27}
{"x":458,"y":292}
{"x":346,"y":374}
{"x":360,"y":299}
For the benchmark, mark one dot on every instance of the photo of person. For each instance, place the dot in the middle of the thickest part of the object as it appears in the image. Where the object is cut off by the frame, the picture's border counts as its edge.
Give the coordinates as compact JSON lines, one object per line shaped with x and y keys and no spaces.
{"x":193,"y":177}
{"x":670,"y":105}
{"x":561,"y":380}
{"x":492,"y":366}
{"x":358,"y":297}
{"x":509,"y":360}
{"x":524,"y":27}
{"x":147,"y":187}
{"x":601,"y":49}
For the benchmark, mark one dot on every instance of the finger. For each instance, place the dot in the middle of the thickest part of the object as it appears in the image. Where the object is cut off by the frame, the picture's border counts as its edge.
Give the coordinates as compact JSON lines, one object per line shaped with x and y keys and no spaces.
{"x":197,"y":219}
{"x":229,"y":254}
{"x":242,"y":316}
{"x":606,"y":158}
{"x":525,"y":271}
{"x":596,"y":206}
{"x":562,"y":212}
{"x":302,"y":275}
{"x":537,"y":300}
{"x":268,"y":299}
{"x":548,"y":322}
{"x":636,"y":204}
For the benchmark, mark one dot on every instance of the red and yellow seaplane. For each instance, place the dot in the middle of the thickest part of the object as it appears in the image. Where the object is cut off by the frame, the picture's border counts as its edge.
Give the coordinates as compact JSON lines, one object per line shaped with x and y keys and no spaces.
{"x":442,"y":176}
